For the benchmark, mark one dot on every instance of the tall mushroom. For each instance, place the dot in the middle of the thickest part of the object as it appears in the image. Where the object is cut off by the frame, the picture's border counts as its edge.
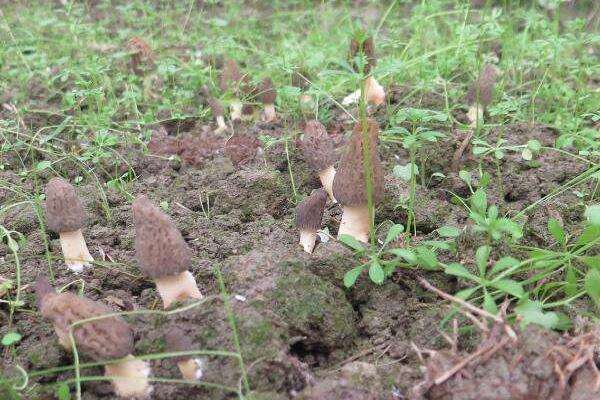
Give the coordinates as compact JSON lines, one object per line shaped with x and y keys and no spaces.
{"x":268,"y":96}
{"x":162,"y":253}
{"x":191,"y":367}
{"x":374,"y":92}
{"x":231,"y":80}
{"x":103,"y":339}
{"x":481,"y":93}
{"x":319,"y":152}
{"x":216,"y":109}
{"x":66,"y":216}
{"x":309,"y":214}
{"x":349,"y":184}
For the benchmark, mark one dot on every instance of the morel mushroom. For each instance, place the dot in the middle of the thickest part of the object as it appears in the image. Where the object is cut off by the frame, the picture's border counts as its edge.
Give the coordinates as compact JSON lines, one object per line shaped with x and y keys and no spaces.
{"x":241,"y":148}
{"x":374,"y":92}
{"x":268,"y":96}
{"x":349,"y":184}
{"x":480,"y":93}
{"x":162,"y":253}
{"x":216,"y":109}
{"x":190,"y":367}
{"x":66,"y":216}
{"x":319,"y":152}
{"x":308,"y":218}
{"x":231,"y":80}
{"x":101,"y":339}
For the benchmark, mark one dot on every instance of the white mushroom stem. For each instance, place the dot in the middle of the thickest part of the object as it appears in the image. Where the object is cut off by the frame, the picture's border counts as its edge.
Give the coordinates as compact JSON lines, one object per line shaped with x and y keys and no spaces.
{"x":475,"y":114}
{"x":75,"y":251}
{"x":308,"y":239}
{"x":269,"y":113}
{"x":191,"y":369}
{"x":375,"y":94}
{"x":355,"y":222}
{"x":177,"y":287}
{"x":221,"y":126}
{"x":236,"y":109}
{"x":326,"y":176}
{"x":129,"y":377}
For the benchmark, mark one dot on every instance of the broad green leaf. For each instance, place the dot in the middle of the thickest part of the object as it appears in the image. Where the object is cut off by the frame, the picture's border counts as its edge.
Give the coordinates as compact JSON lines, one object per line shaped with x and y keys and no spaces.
{"x":592,"y":261}
{"x":592,"y":213}
{"x":526,"y":154}
{"x":511,"y":227}
{"x":394,"y":232}
{"x":465,"y":293}
{"x":534,"y":145}
{"x":479,"y":201}
{"x":11,"y":338}
{"x":405,"y":172}
{"x":408,"y":255}
{"x":465,"y":176}
{"x":351,"y":276}
{"x":477,"y":150}
{"x":481,"y":258}
{"x":458,"y":270}
{"x":510,"y":286}
{"x":592,"y":285}
{"x":42,"y":165}
{"x":489,"y":304}
{"x":426,"y":258}
{"x":531,"y":312}
{"x":351,"y":242}
{"x":590,"y":233}
{"x":376,"y":272}
{"x":499,"y":154}
{"x":571,"y":278}
{"x":556,"y":230}
{"x":62,"y":392}
{"x":504,"y":263}
{"x":449,"y":231}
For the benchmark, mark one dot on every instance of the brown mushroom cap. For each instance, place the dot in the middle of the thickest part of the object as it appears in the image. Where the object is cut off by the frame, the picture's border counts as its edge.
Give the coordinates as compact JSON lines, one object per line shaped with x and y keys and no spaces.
{"x":159,"y":247}
{"x":268,"y":93}
{"x":349,"y":182}
{"x":214,"y":104}
{"x":241,"y":148}
{"x":177,"y":340}
{"x":101,"y":339}
{"x":309,"y":212}
{"x":367,"y":47}
{"x":482,"y":90}
{"x":317,"y":147}
{"x":42,"y":289}
{"x":64,"y":211}
{"x":230,"y":76}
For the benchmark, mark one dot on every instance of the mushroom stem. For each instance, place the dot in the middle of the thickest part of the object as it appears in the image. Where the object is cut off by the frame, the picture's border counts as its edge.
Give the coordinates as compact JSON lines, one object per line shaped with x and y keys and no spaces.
{"x":475,"y":114}
{"x":355,"y":222}
{"x":177,"y":287}
{"x":130,"y":377}
{"x":326,"y":176}
{"x":236,"y":109}
{"x":191,"y":369}
{"x":75,"y":251}
{"x":375,"y":94}
{"x":308,"y":239}
{"x":221,"y":126}
{"x":269,"y":114}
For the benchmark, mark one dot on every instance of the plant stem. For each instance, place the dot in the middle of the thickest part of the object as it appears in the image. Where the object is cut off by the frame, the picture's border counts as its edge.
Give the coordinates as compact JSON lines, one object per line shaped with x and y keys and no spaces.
{"x":367,"y":165}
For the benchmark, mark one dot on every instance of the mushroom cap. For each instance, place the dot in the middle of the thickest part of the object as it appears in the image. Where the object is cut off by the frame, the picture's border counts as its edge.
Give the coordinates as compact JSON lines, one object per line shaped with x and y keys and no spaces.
{"x":230,"y":76}
{"x":309,"y":211}
{"x":42,"y":289}
{"x":317,"y":147}
{"x":367,"y":46}
{"x":241,"y":148}
{"x":268,"y":93}
{"x":159,"y":247}
{"x":101,"y":339}
{"x":482,"y":90}
{"x":64,"y":211}
{"x":349,"y":181}
{"x":176,"y":339}
{"x":213,"y":103}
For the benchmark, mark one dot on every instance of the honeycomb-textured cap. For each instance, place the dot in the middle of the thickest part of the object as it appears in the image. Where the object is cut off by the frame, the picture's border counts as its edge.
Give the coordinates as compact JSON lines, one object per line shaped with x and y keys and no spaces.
{"x":367,"y":47}
{"x":42,"y":289}
{"x":268,"y":93}
{"x":230,"y":76}
{"x":241,"y":148}
{"x":176,"y":339}
{"x":317,"y":147}
{"x":159,"y":247}
{"x":349,"y":187}
{"x":64,"y":211}
{"x":482,"y":90}
{"x":102,"y":339}
{"x":309,"y":212}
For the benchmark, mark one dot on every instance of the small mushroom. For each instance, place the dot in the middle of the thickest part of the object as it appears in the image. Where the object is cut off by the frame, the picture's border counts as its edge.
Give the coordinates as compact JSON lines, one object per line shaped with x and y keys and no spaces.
{"x":231,"y":80}
{"x":216,"y":108}
{"x":349,"y":184}
{"x":308,"y":218}
{"x":481,"y":93}
{"x":319,"y":152}
{"x":66,"y":216}
{"x":268,"y":96}
{"x":374,"y":92}
{"x":190,"y":367}
{"x":101,"y":339}
{"x":241,"y":148}
{"x":162,"y":253}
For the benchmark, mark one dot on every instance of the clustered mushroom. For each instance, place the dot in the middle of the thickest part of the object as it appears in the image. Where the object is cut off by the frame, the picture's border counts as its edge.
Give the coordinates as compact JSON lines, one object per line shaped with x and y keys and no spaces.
{"x":162,"y":254}
{"x":216,"y":108}
{"x":309,"y":214}
{"x":98,"y":335}
{"x":177,"y":340}
{"x":66,"y":216}
{"x":480,"y":93}
{"x":268,"y":96}
{"x":319,"y":152}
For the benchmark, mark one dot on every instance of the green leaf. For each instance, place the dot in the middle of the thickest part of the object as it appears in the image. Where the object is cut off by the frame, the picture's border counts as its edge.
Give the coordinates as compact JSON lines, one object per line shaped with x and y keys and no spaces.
{"x":404,"y":172}
{"x":534,"y":145}
{"x":509,"y":286}
{"x":526,"y":154}
{"x":465,"y":293}
{"x":592,"y":285}
{"x":465,"y":176}
{"x":11,"y":338}
{"x":394,"y":232}
{"x":351,"y":276}
{"x":351,"y":242}
{"x":571,"y":278}
{"x":499,"y":154}
{"x":590,"y":233}
{"x":556,"y":230}
{"x":489,"y":304}
{"x":479,"y":201}
{"x":504,"y":263}
{"x":376,"y":272}
{"x":449,"y":231}
{"x":42,"y":165}
{"x":531,"y":312}
{"x":592,"y":261}
{"x":592,"y":213}
{"x":457,"y":269}
{"x":408,"y":255}
{"x":481,"y":258}
{"x":477,"y":150}
{"x":427,"y":258}
{"x":62,"y":392}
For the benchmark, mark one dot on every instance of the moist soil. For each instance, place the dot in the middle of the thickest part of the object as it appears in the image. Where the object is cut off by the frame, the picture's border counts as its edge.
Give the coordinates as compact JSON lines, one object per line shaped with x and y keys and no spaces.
{"x":303,"y":335}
